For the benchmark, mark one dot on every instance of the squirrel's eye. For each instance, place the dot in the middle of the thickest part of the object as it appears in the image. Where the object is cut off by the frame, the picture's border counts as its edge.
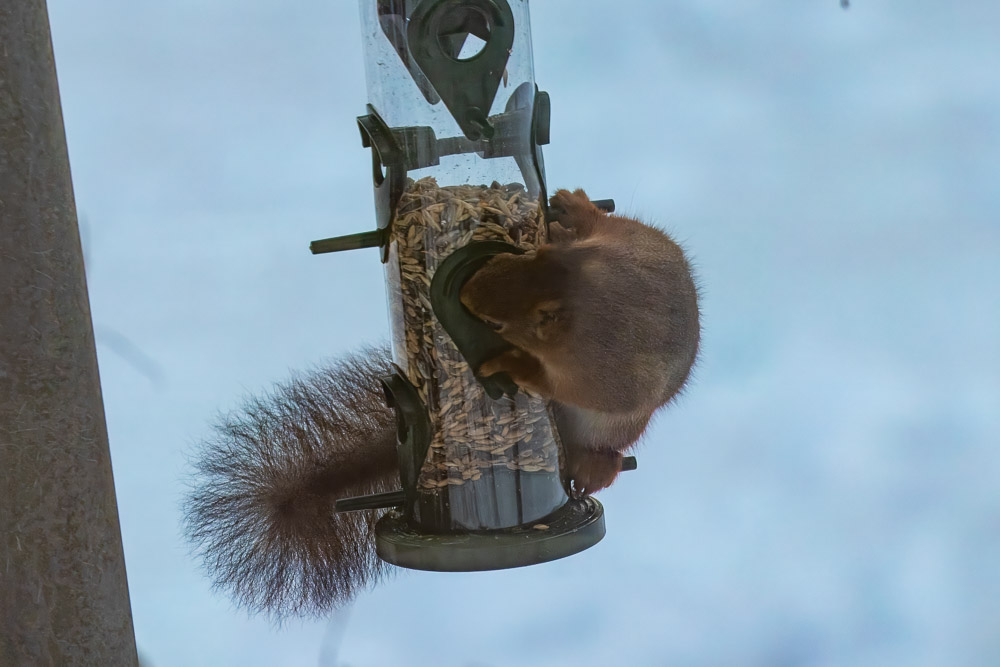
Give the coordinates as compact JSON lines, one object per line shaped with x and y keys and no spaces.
{"x":496,"y":326}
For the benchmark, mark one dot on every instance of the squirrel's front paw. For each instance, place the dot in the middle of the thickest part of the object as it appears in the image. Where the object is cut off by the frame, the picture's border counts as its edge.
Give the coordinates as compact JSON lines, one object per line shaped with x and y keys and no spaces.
{"x":515,"y":362}
{"x":559,"y":234}
{"x":498,"y":364}
{"x":523,"y":368}
{"x":565,"y":206}
{"x":592,"y":470}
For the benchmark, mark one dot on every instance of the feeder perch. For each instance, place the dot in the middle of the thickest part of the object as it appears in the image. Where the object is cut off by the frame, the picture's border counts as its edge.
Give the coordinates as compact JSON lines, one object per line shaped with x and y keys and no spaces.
{"x":455,"y":132}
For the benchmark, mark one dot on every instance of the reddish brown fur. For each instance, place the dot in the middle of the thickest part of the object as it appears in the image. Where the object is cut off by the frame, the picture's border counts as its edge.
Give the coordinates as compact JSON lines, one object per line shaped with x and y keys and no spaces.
{"x":605,"y":323}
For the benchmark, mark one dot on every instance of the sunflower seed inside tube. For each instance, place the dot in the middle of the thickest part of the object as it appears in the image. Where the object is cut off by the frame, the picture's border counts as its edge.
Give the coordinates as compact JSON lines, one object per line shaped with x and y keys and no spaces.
{"x":471,"y":432}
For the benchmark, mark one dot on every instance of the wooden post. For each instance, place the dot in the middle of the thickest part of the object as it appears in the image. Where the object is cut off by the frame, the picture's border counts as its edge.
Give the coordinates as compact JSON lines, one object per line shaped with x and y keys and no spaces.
{"x":63,"y":593}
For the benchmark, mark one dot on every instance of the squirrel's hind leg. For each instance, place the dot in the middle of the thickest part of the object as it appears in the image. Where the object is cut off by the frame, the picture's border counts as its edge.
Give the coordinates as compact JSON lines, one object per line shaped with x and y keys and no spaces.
{"x":592,"y":469}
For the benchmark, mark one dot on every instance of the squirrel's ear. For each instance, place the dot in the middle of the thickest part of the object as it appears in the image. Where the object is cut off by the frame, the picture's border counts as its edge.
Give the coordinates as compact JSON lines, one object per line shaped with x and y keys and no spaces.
{"x":549,"y":316}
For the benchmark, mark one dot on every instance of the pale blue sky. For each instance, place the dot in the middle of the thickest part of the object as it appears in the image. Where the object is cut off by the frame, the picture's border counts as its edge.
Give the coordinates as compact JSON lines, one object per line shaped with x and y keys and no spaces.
{"x":825,"y":494}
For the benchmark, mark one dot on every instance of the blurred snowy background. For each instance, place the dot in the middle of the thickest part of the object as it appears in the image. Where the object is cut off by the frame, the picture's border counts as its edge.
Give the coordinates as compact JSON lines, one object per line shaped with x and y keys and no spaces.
{"x":828,"y":491}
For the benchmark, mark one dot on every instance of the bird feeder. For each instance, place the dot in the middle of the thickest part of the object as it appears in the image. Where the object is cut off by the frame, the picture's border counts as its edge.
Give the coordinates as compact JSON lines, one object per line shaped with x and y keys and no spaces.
{"x":455,"y":123}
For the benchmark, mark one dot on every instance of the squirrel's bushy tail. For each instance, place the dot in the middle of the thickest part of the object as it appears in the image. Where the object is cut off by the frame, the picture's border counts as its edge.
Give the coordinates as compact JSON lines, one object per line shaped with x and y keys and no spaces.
{"x":260,"y":509}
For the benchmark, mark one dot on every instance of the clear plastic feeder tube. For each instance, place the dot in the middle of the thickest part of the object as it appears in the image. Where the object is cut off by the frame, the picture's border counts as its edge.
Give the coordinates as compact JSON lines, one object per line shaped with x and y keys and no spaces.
{"x":452,"y":80}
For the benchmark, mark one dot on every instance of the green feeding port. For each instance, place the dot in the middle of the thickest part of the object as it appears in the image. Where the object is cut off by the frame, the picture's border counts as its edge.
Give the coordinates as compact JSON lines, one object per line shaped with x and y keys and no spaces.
{"x":475,"y":340}
{"x":455,"y":124}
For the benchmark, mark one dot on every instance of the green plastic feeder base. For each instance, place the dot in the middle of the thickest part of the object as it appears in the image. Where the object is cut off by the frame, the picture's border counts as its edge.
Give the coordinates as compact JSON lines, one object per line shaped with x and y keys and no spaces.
{"x":577,"y":525}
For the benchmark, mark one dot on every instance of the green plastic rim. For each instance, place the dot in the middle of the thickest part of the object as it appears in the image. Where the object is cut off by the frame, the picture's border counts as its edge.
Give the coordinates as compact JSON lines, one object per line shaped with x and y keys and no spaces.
{"x":577,"y":525}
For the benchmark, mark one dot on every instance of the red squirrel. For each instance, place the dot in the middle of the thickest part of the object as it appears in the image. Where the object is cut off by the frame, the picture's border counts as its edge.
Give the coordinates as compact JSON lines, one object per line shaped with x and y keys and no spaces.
{"x":604,"y":322}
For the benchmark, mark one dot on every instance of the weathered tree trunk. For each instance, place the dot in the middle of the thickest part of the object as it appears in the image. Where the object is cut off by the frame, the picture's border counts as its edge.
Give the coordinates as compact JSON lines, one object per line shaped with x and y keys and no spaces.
{"x":63,"y":593}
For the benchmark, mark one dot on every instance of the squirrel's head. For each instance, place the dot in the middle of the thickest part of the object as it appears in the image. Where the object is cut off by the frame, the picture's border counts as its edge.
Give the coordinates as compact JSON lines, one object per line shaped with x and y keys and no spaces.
{"x":521,"y":297}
